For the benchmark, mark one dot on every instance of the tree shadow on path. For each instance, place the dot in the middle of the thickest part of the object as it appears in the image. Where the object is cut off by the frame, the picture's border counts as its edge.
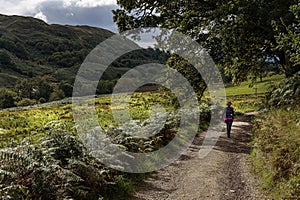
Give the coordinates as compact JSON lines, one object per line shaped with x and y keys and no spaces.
{"x":241,"y":136}
{"x":159,"y":185}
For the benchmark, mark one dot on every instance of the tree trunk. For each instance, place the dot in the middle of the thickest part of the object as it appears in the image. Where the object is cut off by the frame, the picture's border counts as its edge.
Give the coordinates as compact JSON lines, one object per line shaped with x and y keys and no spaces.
{"x":288,"y":69}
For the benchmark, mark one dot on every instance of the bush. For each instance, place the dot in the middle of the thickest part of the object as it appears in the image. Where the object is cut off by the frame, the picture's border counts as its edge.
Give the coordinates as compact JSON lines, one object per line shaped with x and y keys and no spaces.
{"x":34,"y":88}
{"x":26,"y":102}
{"x":42,"y":100}
{"x":7,"y":98}
{"x":286,"y":92}
{"x":66,"y":87}
{"x":57,"y":95}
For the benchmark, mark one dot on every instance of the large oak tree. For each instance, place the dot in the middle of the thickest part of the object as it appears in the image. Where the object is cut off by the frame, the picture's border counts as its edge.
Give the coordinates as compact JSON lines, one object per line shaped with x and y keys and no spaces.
{"x":242,"y":36}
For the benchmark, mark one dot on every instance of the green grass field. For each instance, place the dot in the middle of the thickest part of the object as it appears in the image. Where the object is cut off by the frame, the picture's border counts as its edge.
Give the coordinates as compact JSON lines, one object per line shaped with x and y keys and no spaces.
{"x":19,"y":123}
{"x":247,"y":99}
{"x":257,"y":88}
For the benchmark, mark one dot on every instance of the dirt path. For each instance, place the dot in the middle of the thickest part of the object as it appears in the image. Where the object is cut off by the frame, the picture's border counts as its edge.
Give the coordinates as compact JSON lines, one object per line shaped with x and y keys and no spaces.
{"x":223,"y":174}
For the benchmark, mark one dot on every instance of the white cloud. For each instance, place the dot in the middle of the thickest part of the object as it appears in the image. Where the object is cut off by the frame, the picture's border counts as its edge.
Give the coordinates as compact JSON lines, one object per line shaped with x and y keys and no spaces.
{"x":40,"y":15}
{"x":20,"y":7}
{"x":74,"y":12}
{"x":88,"y":3}
{"x":94,"y":3}
{"x":67,"y":3}
{"x":26,"y":7}
{"x":23,"y":7}
{"x":70,"y":14}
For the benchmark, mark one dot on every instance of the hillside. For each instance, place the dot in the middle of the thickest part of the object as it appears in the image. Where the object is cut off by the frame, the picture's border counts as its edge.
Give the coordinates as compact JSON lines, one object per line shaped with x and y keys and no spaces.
{"x":29,"y":48}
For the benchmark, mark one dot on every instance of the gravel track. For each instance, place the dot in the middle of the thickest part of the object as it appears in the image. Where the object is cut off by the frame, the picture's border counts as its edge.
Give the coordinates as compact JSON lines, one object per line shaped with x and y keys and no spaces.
{"x":225,"y":173}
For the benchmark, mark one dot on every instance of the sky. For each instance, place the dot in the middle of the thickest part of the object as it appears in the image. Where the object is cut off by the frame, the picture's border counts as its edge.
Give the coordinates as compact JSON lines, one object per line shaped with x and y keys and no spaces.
{"x":73,"y":12}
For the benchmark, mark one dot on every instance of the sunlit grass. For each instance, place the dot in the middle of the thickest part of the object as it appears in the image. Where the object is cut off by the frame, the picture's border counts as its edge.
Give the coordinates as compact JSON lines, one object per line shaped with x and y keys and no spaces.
{"x":20,"y":123}
{"x":248,"y":97}
{"x":257,"y":88}
{"x":276,"y":152}
{"x":17,"y":124}
{"x":246,"y":103}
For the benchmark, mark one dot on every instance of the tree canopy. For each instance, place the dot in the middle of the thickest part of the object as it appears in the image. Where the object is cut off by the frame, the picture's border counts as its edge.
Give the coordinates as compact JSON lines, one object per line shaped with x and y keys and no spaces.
{"x":242,"y":36}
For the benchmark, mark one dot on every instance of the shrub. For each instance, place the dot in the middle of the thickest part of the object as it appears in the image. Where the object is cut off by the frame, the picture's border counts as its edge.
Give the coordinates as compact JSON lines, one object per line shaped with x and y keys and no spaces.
{"x":26,"y":102}
{"x":286,"y":92}
{"x":57,"y":95}
{"x":7,"y":98}
{"x":42,"y":100}
{"x":66,"y":87}
{"x":34,"y":88}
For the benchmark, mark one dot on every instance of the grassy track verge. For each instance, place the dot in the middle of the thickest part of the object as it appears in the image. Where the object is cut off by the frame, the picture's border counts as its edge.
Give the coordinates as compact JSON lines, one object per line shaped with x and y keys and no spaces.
{"x":276,"y":151}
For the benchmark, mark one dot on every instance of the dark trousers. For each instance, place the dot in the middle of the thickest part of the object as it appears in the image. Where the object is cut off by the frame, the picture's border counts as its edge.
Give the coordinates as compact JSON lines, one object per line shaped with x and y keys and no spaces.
{"x":228,"y":124}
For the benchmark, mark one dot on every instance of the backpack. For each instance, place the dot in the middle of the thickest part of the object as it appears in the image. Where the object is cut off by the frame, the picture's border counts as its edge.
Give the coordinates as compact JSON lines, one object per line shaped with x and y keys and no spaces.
{"x":229,"y":112}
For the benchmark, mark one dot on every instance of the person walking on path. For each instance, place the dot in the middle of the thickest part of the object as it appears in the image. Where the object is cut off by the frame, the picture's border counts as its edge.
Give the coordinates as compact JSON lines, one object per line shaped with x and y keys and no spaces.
{"x":228,"y":116}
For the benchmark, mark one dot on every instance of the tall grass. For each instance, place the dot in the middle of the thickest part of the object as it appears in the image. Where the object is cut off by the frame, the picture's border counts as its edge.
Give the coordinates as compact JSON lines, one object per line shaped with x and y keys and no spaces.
{"x":276,"y":151}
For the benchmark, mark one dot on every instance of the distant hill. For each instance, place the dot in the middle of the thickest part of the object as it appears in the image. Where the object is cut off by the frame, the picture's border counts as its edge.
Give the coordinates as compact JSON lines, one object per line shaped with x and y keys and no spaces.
{"x":30,"y":47}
